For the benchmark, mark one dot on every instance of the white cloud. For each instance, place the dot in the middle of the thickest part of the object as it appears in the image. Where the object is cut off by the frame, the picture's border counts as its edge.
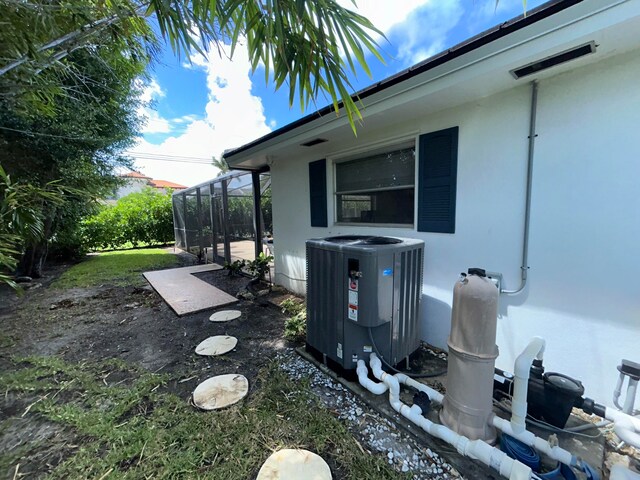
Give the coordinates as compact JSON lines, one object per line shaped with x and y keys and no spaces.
{"x":185,"y":119}
{"x":232,"y":117}
{"x":154,"y":123}
{"x":152,"y":91}
{"x":416,"y":28}
{"x":425,"y":32}
{"x":384,"y":14}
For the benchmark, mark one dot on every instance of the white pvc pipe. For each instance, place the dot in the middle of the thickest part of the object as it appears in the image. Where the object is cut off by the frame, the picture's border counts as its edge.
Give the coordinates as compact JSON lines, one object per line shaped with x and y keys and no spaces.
{"x":363,"y":377}
{"x":541,"y":445}
{"x":535,"y":349}
{"x":617,"y":391}
{"x":620,"y":472}
{"x":629,"y":403}
{"x":434,"y":395}
{"x":476,"y":449}
{"x":625,"y":426}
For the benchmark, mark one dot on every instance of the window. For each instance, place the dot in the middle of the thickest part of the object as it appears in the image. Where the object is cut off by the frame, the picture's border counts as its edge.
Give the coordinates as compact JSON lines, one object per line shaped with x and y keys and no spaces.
{"x":378,"y":188}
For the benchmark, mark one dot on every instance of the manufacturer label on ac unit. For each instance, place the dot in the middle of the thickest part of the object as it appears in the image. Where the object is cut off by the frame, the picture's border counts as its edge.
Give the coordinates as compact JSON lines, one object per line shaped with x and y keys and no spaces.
{"x":367,"y":348}
{"x":339,"y":350}
{"x":353,"y":312}
{"x":353,"y":298}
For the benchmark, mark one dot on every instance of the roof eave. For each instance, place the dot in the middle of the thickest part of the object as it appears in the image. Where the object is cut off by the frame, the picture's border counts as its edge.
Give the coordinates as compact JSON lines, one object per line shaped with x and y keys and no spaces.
{"x":500,"y":31}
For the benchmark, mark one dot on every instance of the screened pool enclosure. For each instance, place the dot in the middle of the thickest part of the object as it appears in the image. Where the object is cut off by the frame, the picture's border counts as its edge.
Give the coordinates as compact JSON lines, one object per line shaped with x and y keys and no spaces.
{"x":225,"y":219}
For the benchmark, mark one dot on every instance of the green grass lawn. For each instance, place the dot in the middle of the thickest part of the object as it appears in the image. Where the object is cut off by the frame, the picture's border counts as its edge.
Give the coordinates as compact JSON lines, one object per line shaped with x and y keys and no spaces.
{"x":123,"y":267}
{"x":138,"y":429}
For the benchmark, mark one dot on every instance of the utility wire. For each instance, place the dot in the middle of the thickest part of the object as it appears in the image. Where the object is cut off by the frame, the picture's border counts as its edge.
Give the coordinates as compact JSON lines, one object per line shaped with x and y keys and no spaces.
{"x":129,"y":152}
{"x":136,"y":155}
{"x":169,"y":158}
{"x":39,"y":134}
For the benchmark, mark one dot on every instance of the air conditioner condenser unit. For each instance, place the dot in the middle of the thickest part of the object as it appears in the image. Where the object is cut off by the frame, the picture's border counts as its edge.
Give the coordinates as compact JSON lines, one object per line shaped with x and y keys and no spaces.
{"x":362,"y":287}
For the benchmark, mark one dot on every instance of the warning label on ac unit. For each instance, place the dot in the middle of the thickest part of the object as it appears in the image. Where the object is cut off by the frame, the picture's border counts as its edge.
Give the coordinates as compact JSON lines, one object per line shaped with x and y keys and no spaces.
{"x":353,"y":312}
{"x":353,"y":284}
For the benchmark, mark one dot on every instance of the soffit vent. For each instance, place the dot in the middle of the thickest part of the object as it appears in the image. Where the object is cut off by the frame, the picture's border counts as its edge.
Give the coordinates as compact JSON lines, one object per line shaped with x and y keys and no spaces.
{"x":552,"y":61}
{"x":313,"y":142}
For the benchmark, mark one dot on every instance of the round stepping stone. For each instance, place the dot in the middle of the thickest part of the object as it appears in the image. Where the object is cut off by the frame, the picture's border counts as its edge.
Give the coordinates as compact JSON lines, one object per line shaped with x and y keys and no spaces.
{"x":220,"y":391}
{"x":294,"y":464}
{"x":218,"y":345}
{"x":225,"y":315}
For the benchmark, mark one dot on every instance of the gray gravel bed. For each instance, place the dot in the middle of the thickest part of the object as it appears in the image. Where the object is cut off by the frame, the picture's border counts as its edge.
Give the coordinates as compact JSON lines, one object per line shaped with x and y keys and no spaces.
{"x":374,"y":432}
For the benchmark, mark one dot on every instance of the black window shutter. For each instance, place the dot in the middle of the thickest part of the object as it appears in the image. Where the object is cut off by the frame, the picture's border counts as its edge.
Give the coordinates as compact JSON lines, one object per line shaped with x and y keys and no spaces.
{"x":438,"y":156}
{"x":318,"y":193}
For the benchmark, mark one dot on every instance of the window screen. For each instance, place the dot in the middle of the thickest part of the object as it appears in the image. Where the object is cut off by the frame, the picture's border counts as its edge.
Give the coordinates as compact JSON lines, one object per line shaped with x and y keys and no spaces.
{"x":377,"y":189}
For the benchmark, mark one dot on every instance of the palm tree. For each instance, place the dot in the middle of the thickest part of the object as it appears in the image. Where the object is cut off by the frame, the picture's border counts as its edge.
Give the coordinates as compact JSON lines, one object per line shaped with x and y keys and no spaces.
{"x":220,"y":164}
{"x":309,"y":45}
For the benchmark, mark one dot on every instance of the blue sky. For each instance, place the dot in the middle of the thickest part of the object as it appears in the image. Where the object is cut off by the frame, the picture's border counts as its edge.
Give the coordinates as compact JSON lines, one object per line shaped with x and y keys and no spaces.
{"x":202,"y":107}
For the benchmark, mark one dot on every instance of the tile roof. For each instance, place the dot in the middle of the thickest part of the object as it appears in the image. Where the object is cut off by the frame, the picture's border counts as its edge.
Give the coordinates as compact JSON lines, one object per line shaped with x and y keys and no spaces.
{"x":134,"y":174}
{"x":166,"y":184}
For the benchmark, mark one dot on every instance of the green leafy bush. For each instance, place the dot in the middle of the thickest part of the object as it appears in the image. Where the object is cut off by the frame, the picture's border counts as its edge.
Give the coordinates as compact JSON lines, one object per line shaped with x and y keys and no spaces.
{"x":235,"y":268}
{"x":259,"y":267}
{"x":143,"y":218}
{"x":295,"y":326}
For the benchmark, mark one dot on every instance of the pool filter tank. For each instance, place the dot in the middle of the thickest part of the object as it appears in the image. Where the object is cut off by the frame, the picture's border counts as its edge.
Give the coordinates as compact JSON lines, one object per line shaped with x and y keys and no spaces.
{"x":468,"y":404}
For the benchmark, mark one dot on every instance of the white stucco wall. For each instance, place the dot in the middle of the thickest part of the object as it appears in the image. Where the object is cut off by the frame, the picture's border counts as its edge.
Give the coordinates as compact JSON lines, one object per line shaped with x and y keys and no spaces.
{"x":582,"y":294}
{"x":132,"y":185}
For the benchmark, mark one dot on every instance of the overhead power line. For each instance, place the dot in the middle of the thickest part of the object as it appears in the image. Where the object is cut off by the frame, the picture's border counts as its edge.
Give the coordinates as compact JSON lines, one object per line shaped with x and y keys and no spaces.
{"x":169,"y":158}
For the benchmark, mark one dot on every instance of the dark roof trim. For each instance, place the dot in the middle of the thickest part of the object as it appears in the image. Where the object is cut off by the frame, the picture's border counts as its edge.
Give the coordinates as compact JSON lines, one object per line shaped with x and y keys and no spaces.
{"x":533,"y":16}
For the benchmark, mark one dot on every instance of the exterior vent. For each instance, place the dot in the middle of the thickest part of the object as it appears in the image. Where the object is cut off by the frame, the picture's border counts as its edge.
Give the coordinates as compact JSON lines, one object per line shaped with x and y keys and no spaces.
{"x":313,"y":142}
{"x":554,"y":60}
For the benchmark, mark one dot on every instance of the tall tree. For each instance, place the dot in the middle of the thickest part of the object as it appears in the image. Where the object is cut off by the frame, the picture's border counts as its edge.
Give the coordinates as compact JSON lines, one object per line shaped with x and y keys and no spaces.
{"x":310,"y":45}
{"x":79,"y":145}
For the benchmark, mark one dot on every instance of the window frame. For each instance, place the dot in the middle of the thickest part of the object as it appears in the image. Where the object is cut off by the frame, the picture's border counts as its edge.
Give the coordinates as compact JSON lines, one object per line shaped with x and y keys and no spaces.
{"x":396,"y":145}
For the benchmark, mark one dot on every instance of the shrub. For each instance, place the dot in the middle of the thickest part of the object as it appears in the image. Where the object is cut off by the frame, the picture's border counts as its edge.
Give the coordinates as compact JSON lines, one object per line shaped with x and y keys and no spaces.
{"x":295,"y":326}
{"x":235,"y":268}
{"x":259,"y":267}
{"x":143,"y":218}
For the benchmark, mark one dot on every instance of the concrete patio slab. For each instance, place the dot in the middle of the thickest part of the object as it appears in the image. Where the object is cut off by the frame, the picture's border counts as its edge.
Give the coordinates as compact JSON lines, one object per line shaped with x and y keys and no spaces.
{"x":184,"y":292}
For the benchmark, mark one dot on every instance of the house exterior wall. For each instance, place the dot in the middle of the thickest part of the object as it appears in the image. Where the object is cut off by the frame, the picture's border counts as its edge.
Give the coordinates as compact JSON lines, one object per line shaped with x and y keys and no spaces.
{"x":585,"y":218}
{"x":132,"y":185}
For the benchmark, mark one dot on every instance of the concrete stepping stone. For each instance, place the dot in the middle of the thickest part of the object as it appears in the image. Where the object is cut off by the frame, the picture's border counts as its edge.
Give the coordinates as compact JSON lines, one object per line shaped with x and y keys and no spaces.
{"x":225,"y":315}
{"x":294,"y":464}
{"x":217,"y":345}
{"x":220,"y":391}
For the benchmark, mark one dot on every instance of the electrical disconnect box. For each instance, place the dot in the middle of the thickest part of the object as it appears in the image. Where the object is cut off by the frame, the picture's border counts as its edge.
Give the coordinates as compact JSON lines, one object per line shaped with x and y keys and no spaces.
{"x":359,"y":288}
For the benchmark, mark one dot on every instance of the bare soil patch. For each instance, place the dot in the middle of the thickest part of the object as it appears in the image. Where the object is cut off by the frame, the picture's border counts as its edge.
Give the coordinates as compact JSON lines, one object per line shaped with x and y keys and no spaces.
{"x":130,"y":324}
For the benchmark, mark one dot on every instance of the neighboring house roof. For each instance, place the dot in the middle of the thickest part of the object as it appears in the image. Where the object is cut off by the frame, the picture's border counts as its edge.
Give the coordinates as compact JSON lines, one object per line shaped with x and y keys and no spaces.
{"x":134,"y":174}
{"x":166,"y":184}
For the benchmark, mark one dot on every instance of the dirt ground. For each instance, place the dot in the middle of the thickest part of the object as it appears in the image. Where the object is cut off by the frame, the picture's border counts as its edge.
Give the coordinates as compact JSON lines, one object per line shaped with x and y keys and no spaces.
{"x":134,"y":325}
{"x":126,"y":323}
